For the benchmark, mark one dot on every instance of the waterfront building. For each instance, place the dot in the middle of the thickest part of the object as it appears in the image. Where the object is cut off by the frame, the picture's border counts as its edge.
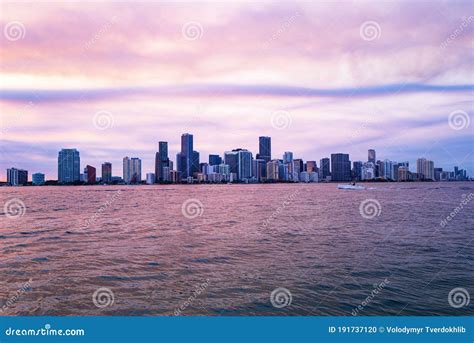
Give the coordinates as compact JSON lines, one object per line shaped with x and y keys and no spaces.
{"x":340,"y":167}
{"x":150,"y":178}
{"x":273,"y":170}
{"x":107,"y":172}
{"x":240,"y":163}
{"x":304,"y":177}
{"x":313,"y":177}
{"x":311,"y":166}
{"x":403,"y":173}
{"x":132,"y":170}
{"x":16,"y":177}
{"x":69,"y":166}
{"x":38,"y":179}
{"x":174,"y":176}
{"x":90,"y":171}
{"x":259,"y":169}
{"x":161,"y":161}
{"x":324,"y":168}
{"x":425,"y":168}
{"x":264,"y":148}
{"x":367,"y":171}
{"x":357,"y":170}
{"x":184,"y":159}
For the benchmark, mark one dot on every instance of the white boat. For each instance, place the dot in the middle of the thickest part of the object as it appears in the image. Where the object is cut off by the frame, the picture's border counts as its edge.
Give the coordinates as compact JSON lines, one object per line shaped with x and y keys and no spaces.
{"x":350,"y":187}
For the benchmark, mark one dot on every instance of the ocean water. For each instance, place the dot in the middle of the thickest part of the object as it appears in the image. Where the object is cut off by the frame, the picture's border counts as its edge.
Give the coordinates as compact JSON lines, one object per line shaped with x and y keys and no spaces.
{"x":277,"y":249}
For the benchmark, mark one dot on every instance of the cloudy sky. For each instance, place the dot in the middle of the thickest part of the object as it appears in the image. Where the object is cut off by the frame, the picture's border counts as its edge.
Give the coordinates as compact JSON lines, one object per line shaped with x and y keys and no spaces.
{"x":113,"y":79}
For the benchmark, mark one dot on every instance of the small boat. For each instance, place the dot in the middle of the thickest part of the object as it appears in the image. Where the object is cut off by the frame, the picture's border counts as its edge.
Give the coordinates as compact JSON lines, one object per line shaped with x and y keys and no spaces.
{"x":355,"y":187}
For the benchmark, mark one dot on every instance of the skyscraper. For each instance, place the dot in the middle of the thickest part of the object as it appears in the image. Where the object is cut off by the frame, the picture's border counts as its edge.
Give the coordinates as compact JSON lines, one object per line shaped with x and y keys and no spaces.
{"x":132,"y":170}
{"x":311,"y":166}
{"x":357,"y":170}
{"x":161,"y":161}
{"x":371,"y":156}
{"x":91,"y":174}
{"x":324,"y":168}
{"x":425,"y":169}
{"x":273,"y":170}
{"x":186,"y":159}
{"x":340,"y":167}
{"x":17,"y":177}
{"x":215,"y":160}
{"x":264,"y":148}
{"x":37,"y":179}
{"x":240,"y":163}
{"x":107,"y":172}
{"x":69,"y":166}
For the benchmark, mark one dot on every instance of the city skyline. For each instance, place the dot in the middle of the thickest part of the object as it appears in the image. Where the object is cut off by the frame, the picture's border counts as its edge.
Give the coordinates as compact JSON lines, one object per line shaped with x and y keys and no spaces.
{"x":339,"y":166}
{"x":109,"y":85}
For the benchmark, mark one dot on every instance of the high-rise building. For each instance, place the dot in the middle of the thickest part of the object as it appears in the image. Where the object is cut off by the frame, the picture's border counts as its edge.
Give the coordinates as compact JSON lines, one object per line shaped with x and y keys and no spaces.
{"x":264,"y":148}
{"x":16,"y":177}
{"x":37,"y":179}
{"x":259,"y":169}
{"x":357,"y":170}
{"x":311,"y":166}
{"x":324,"y":168}
{"x":240,"y":163}
{"x":388,"y":170}
{"x":185,"y":158}
{"x":273,"y":170}
{"x":150,"y":178}
{"x":194,"y":163}
{"x":91,"y":174}
{"x":132,"y":170}
{"x":215,"y":160}
{"x":425,"y":169}
{"x":69,"y":166}
{"x":161,"y":161}
{"x":371,"y":156}
{"x":340,"y":167}
{"x":107,"y":172}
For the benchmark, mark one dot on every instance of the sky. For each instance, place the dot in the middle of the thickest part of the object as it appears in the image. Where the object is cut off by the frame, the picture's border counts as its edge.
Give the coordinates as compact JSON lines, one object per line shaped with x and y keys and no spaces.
{"x":113,"y":78}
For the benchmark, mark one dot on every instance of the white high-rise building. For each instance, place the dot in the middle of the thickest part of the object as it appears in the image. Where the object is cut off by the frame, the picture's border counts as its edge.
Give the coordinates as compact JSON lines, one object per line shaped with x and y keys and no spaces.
{"x":132,"y":170}
{"x":425,"y":168}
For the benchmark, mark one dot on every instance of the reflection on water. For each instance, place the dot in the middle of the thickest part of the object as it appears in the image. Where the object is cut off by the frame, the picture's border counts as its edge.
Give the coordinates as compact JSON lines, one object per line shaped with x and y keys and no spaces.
{"x":241,"y":243}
